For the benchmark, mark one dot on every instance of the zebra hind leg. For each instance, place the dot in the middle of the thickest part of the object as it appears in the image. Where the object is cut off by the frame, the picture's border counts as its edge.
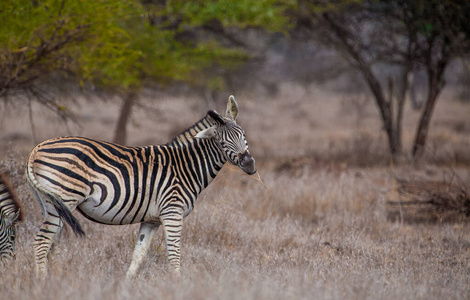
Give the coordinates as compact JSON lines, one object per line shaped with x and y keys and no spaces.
{"x":146,"y":233}
{"x":45,"y":238}
{"x":49,"y":231}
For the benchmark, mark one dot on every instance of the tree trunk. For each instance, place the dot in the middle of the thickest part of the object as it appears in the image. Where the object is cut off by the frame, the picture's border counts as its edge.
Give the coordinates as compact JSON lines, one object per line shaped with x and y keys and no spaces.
{"x":436,"y":83}
{"x":120,"y":133}
{"x":31,"y":122}
{"x":344,"y":36}
{"x":391,"y":91}
{"x":401,"y":97}
{"x":383,"y":105}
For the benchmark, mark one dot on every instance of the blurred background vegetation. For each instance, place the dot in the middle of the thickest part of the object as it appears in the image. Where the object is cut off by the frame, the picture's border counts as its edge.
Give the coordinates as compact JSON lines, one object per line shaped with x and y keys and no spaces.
{"x":121,"y":47}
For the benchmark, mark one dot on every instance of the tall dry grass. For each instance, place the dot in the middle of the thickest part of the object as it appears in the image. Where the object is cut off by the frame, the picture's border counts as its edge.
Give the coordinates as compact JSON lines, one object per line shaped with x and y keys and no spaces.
{"x":320,"y":230}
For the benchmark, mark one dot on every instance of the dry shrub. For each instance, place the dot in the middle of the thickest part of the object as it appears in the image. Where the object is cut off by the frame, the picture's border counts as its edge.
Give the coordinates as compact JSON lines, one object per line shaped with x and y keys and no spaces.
{"x":448,"y":148}
{"x":430,"y":201}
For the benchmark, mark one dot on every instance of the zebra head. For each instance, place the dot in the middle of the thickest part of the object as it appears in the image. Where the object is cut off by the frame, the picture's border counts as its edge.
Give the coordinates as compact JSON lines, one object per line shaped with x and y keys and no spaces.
{"x":8,"y":235}
{"x":230,"y":137}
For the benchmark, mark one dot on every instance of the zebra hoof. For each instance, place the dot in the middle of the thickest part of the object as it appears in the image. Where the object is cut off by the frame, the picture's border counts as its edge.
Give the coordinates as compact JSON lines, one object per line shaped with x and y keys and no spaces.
{"x":41,"y":271}
{"x":130,"y":275}
{"x":176,"y":272}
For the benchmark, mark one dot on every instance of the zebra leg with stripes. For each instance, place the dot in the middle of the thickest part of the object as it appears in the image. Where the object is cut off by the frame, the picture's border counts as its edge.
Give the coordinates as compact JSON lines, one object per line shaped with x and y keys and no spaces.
{"x":173,"y":225}
{"x":47,"y":232}
{"x":144,"y":239}
{"x":45,"y":238}
{"x":54,"y":211}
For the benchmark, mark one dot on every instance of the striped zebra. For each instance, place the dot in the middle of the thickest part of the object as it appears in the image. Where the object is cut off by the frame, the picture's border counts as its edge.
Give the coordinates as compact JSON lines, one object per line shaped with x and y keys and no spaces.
{"x":10,"y":214}
{"x":113,"y":184}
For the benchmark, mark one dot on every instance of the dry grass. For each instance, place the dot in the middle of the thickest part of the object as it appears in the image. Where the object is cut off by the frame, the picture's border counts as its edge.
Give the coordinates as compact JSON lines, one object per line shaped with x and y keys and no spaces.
{"x":320,"y":230}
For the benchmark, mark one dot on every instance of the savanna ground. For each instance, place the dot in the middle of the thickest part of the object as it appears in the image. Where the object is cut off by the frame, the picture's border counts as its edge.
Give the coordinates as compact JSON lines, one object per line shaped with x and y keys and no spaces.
{"x":321,"y":229}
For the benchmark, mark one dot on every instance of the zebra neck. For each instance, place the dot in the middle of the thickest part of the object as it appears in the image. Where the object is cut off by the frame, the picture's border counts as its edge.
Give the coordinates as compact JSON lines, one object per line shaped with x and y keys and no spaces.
{"x":203,"y":156}
{"x":187,"y":136}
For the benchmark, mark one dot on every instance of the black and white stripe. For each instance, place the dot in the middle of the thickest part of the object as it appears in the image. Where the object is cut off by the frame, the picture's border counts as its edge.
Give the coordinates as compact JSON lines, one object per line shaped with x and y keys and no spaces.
{"x":10,"y":214}
{"x":113,"y":184}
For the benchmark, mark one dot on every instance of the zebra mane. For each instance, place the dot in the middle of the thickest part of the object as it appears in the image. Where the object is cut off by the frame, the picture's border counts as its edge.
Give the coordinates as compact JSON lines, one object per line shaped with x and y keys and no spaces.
{"x":13,"y":197}
{"x":189,"y":133}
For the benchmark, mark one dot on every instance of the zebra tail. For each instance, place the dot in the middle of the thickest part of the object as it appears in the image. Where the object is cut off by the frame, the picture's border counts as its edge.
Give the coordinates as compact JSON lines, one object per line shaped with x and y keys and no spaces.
{"x":67,"y":216}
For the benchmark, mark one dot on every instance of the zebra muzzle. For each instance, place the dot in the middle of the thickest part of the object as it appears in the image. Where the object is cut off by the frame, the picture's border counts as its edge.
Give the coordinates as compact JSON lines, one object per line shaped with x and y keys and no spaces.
{"x":247,"y":163}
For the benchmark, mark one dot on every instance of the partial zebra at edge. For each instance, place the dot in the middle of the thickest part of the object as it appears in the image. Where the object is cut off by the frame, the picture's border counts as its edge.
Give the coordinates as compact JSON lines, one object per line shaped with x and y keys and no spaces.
{"x":10,"y":213}
{"x":6,"y":188}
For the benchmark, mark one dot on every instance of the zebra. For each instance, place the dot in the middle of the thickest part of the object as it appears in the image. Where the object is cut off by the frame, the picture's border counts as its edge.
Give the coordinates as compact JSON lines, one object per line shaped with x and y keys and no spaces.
{"x":10,"y":214}
{"x":113,"y":184}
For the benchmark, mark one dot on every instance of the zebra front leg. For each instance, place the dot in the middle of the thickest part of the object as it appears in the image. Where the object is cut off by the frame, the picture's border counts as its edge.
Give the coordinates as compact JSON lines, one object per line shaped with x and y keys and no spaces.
{"x":44,"y":239}
{"x":172,"y":225}
{"x":146,"y":233}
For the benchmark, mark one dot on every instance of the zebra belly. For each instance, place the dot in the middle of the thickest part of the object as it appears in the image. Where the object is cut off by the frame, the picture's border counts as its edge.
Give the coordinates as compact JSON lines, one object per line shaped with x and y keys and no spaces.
{"x":101,"y":215}
{"x":97,"y":213}
{"x":99,"y":208}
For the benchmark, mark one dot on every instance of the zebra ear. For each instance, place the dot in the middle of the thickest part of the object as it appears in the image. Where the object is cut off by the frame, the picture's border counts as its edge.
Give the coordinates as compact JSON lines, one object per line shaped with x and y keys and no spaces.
{"x":232,"y":108}
{"x":206,"y":133}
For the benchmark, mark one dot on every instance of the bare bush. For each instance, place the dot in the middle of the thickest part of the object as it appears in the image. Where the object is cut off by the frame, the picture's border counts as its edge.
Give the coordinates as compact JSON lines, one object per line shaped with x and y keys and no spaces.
{"x":430,"y":201}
